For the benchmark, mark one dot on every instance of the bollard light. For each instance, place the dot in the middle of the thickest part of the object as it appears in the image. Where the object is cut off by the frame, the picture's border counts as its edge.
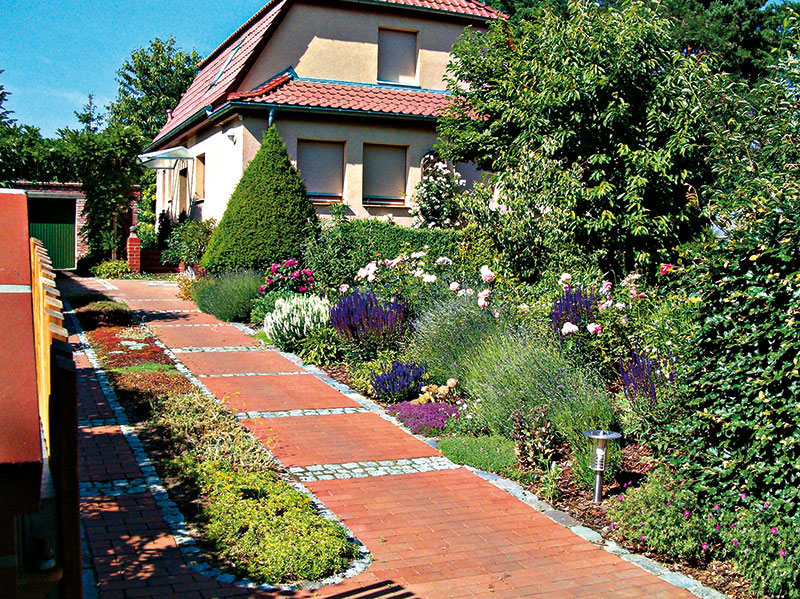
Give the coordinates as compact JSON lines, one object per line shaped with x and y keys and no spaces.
{"x":597,"y":461}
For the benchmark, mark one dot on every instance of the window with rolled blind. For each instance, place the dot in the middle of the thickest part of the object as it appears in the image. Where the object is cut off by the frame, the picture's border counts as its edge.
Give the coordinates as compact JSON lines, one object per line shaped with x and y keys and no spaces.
{"x":321,"y":165}
{"x":397,"y":56}
{"x":384,"y":174}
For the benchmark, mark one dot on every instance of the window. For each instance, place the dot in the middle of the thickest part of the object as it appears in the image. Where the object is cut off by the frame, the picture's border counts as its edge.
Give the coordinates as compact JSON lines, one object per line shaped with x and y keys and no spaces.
{"x":231,"y":56}
{"x":321,"y":164}
{"x":397,"y":56}
{"x":183,"y":189}
{"x":384,"y":174}
{"x":200,"y":177}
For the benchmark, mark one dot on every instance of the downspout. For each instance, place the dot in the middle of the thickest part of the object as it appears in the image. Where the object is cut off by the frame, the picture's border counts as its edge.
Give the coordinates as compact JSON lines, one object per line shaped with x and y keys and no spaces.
{"x":271,"y":118}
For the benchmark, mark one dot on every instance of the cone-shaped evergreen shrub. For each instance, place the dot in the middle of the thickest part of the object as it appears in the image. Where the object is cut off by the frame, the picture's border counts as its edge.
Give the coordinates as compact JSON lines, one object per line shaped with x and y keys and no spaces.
{"x":268,"y":216}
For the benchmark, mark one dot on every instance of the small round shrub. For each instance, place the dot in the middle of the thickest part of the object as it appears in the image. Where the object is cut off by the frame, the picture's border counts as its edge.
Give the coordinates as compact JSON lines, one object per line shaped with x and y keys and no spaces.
{"x":294,"y":318}
{"x":229,"y":296}
{"x":111,"y":269}
{"x":320,"y":347}
{"x":188,"y":242}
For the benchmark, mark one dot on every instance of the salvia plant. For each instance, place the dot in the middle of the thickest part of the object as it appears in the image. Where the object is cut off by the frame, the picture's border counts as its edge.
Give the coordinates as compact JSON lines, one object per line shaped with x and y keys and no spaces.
{"x":363,"y":316}
{"x":574,"y":305}
{"x":641,"y":375}
{"x":294,"y":318}
{"x":399,"y":382}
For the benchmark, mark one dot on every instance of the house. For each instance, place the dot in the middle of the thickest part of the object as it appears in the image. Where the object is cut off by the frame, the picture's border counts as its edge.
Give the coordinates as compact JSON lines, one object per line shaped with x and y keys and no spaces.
{"x":353,"y":87}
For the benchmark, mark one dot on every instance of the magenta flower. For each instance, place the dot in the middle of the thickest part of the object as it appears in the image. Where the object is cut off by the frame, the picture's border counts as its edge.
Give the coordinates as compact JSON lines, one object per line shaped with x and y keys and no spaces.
{"x":704,"y":546}
{"x":290,"y":262}
{"x":744,"y":496}
{"x":270,"y":281}
{"x":665,"y":268}
{"x":718,"y":527}
{"x":302,"y":290}
{"x":274,"y":268}
{"x":716,"y":508}
{"x":308,"y":272}
{"x":669,"y":503}
{"x":642,"y":536}
{"x":773,"y":531}
{"x":735,"y":543}
{"x":686,"y":513}
{"x":782,"y":552}
{"x":262,"y":289}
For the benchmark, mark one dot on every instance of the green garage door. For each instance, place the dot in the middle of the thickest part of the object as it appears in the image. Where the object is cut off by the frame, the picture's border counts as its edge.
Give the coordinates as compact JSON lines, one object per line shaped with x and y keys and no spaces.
{"x":53,"y":222}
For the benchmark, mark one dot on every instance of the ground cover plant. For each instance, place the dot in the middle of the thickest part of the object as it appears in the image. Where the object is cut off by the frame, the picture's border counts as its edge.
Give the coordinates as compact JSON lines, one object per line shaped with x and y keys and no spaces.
{"x":259,"y":525}
{"x":491,"y":453}
{"x":424,"y":419}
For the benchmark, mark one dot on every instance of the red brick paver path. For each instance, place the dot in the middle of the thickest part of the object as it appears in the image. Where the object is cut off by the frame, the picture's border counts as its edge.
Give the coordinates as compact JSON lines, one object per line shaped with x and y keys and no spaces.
{"x":432,"y":535}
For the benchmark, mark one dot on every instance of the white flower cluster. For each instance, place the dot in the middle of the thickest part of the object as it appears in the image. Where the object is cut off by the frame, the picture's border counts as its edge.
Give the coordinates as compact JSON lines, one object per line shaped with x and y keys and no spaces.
{"x":294,"y":317}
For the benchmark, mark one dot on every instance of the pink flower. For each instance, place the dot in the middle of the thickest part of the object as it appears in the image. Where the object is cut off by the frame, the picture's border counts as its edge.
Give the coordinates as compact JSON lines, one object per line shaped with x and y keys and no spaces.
{"x":605,"y":288}
{"x":569,"y":328}
{"x":270,"y":281}
{"x":735,"y":543}
{"x":295,"y":274}
{"x":274,"y":268}
{"x":686,"y":513}
{"x":290,"y":262}
{"x":716,"y":508}
{"x":302,"y":289}
{"x":744,"y":495}
{"x":307,"y":272}
{"x":594,"y":328}
{"x":782,"y":552}
{"x":605,"y":305}
{"x":344,"y":288}
{"x":487,"y":276}
{"x":773,"y":531}
{"x":483,"y":297}
{"x":704,"y":546}
{"x":665,"y":268}
{"x":262,"y":289}
{"x":718,"y":527}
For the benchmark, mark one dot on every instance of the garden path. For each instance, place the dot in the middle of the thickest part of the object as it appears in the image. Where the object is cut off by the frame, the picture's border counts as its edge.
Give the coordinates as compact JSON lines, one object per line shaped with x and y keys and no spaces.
{"x":434,"y":530}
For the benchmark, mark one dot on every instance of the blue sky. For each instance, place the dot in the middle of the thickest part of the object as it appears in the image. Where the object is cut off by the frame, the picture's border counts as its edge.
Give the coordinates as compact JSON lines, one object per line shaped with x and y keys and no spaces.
{"x":55,"y":52}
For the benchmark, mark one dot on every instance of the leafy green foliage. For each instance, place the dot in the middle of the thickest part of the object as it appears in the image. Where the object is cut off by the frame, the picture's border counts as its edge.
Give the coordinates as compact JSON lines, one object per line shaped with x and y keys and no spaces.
{"x":268,"y":216}
{"x":434,"y":201}
{"x":320,"y":347}
{"x":265,"y":303}
{"x":151,"y":82}
{"x":26,"y":155}
{"x":583,"y":117}
{"x":229,"y":296}
{"x":111,"y":269}
{"x":347,"y":245}
{"x":5,"y":114}
{"x":91,"y":118}
{"x":188,"y":242}
{"x":489,"y":453}
{"x":741,"y":429}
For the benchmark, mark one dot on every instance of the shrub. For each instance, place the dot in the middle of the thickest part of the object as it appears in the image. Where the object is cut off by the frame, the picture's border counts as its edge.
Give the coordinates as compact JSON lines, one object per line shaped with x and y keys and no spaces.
{"x":229,"y":296}
{"x":111,"y":269}
{"x":424,"y":419}
{"x":360,"y":373}
{"x":535,"y":438}
{"x":490,"y":453}
{"x":369,"y":324}
{"x":294,"y":318}
{"x":268,"y":216}
{"x":514,"y":370}
{"x":434,"y":201}
{"x":163,"y":229}
{"x":447,"y":333}
{"x":288,"y":276}
{"x":346,"y":245}
{"x":188,"y":242}
{"x":265,"y":303}
{"x":399,"y":382}
{"x":320,"y":347}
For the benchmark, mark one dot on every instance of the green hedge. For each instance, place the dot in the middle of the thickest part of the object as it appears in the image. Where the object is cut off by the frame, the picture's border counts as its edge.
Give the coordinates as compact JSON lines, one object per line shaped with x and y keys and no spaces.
{"x":346,"y":245}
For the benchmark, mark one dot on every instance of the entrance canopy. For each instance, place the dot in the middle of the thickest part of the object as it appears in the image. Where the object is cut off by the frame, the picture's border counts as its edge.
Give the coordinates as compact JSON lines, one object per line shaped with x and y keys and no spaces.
{"x":164,"y":159}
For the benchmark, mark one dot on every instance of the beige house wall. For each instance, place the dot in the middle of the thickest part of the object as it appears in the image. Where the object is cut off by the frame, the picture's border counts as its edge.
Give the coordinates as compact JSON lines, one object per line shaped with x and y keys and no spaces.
{"x":341,"y":43}
{"x":224,"y":148}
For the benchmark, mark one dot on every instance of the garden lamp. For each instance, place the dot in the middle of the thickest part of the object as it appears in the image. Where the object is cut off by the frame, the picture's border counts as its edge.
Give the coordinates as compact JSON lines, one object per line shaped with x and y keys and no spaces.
{"x":597,"y":460}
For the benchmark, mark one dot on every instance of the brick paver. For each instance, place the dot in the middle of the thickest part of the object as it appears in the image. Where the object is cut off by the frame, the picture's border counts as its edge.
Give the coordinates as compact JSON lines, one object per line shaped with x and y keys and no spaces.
{"x":233,"y":362}
{"x":223,"y":335}
{"x":275,"y":393}
{"x":337,"y":439}
{"x":432,"y":535}
{"x":175,"y":318}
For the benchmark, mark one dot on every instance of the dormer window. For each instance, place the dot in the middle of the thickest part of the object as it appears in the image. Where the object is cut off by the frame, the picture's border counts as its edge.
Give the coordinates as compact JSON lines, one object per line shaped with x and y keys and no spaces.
{"x":234,"y":52}
{"x":397,"y":56}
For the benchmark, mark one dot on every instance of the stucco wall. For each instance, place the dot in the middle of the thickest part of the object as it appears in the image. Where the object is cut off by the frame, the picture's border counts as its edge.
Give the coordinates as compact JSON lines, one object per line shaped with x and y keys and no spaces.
{"x":224,"y":162}
{"x":341,"y":43}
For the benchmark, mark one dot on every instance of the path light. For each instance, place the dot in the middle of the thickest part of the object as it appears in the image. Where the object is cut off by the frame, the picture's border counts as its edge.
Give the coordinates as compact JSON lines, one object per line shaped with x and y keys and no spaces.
{"x":597,"y":460}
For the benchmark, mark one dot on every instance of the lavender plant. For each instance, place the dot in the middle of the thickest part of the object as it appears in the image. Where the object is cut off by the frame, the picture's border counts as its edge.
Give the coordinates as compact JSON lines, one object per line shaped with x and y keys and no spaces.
{"x":399,"y":382}
{"x":367,"y":323}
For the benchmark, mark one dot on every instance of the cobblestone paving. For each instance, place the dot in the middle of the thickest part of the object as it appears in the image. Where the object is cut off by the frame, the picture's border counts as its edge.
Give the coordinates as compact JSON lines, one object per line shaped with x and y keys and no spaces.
{"x":434,"y":530}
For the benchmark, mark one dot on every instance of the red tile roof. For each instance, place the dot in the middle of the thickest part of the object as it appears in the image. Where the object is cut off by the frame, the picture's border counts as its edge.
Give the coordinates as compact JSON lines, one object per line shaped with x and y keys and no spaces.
{"x":201,"y":93}
{"x":286,"y":91}
{"x":251,"y":37}
{"x":472,"y":8}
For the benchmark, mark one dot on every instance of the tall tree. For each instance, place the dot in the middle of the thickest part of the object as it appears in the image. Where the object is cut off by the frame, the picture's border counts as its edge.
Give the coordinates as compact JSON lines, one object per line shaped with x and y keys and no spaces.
{"x":151,"y":82}
{"x":90,"y":117}
{"x":5,"y":114}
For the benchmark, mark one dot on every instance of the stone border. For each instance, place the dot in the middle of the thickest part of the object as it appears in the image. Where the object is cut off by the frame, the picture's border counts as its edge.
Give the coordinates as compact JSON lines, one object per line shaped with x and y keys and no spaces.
{"x":294,"y":413}
{"x":645,"y":563}
{"x":176,"y":522}
{"x":372,"y":469}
